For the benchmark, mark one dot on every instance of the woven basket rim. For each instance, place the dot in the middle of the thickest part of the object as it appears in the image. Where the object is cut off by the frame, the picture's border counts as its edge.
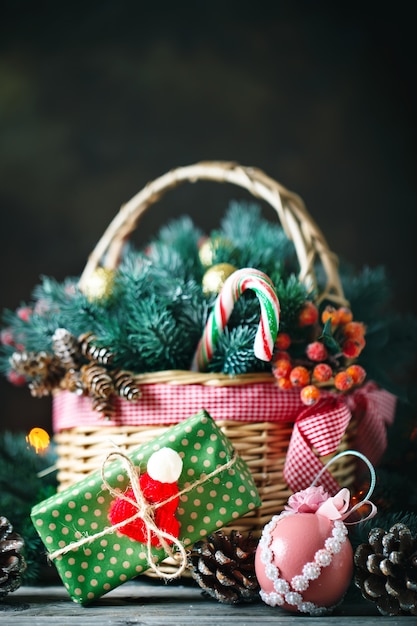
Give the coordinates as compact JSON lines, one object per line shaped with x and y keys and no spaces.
{"x":213,"y":379}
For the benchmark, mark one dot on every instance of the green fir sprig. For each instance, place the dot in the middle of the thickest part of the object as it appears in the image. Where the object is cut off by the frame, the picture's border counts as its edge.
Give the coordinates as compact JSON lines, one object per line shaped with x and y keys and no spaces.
{"x":21,"y":488}
{"x":157,"y":309}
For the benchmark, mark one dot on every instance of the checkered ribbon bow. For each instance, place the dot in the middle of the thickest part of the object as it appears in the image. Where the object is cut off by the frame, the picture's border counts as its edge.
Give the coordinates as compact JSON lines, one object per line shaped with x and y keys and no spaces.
{"x":318,"y":431}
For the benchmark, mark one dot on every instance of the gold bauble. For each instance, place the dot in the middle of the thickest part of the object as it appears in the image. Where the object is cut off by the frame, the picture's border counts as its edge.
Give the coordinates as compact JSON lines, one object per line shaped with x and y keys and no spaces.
{"x":215,"y":276}
{"x":208,"y":249}
{"x":99,"y":285}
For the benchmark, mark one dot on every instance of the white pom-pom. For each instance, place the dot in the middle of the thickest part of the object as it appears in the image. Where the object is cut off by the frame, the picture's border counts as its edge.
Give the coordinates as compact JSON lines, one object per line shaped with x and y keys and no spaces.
{"x":165,"y":465}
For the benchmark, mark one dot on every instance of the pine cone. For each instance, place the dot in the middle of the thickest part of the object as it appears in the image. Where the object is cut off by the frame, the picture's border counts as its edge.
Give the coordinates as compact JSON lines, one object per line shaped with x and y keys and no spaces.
{"x":126,"y":385}
{"x":44,"y":369}
{"x":104,"y":406}
{"x":93,"y":352}
{"x":40,"y":388}
{"x":33,"y":364}
{"x":72,"y":382}
{"x":97,"y":380}
{"x":12,"y":563}
{"x":386,"y":570}
{"x":66,"y":348}
{"x":224,"y":567}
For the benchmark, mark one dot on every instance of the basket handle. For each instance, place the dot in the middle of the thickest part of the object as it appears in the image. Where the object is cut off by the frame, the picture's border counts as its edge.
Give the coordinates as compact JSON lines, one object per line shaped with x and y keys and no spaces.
{"x":308,"y":240}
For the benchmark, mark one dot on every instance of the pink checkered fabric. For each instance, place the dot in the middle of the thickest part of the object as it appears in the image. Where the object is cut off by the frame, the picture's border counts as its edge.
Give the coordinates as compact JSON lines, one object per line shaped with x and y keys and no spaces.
{"x":302,"y":466}
{"x":375,"y":411}
{"x":317,"y":430}
{"x":316,"y":427}
{"x":170,"y":404}
{"x":320,"y":427}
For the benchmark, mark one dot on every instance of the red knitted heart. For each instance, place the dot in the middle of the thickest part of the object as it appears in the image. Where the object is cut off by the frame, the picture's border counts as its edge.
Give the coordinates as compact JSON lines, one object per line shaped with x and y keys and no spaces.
{"x":164,"y":516}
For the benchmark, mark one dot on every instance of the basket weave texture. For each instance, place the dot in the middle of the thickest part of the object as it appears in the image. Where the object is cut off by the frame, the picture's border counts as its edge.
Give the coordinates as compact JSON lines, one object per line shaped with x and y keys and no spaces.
{"x":83,"y":439}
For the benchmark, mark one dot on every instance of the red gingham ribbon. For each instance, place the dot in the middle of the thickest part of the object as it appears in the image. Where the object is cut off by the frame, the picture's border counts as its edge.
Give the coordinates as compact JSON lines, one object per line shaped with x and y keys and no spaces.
{"x":323,"y":426}
{"x":170,"y":404}
{"x":374,"y":409}
{"x":319,"y":428}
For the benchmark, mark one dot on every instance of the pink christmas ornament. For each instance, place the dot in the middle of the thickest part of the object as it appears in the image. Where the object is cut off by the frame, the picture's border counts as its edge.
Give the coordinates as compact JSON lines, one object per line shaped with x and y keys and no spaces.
{"x":304,"y":560}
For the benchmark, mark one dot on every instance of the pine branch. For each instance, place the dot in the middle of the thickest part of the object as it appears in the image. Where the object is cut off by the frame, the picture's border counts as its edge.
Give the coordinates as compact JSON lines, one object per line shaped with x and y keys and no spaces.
{"x":368,"y":292}
{"x":359,"y":532}
{"x":390,"y":354}
{"x":157,"y":299}
{"x":21,"y":488}
{"x":291,"y":295}
{"x":233,"y":353}
{"x":258,"y":243}
{"x":246,"y":311}
{"x":182,"y":236}
{"x":156,"y":338}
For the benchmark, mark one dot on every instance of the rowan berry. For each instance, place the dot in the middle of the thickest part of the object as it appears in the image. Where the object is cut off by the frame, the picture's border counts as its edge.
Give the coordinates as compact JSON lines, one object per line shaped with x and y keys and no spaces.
{"x":283,"y":341}
{"x":344,"y":315}
{"x":310,"y":394}
{"x":6,"y":337}
{"x":299,"y":376}
{"x":16,"y":379}
{"x":330,"y":313}
{"x":316,"y":351}
{"x":354,"y":330}
{"x":282,"y":368}
{"x":351,"y":349}
{"x":309,"y":314}
{"x":357,"y":372}
{"x":284,"y":383}
{"x":280,"y":354}
{"x":322,"y":372}
{"x":24,"y":313}
{"x":343,"y":381}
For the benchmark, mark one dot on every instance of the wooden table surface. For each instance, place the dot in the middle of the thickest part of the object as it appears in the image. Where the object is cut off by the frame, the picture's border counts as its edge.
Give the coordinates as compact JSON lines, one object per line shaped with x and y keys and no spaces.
{"x":153,"y":603}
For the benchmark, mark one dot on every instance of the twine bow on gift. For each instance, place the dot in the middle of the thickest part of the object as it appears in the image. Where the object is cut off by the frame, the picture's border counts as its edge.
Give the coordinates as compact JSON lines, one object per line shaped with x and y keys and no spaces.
{"x":145,"y":512}
{"x":318,"y":431}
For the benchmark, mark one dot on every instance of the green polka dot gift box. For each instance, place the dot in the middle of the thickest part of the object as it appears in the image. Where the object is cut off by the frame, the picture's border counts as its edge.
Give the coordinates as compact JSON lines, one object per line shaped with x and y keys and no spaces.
{"x":94,"y":555}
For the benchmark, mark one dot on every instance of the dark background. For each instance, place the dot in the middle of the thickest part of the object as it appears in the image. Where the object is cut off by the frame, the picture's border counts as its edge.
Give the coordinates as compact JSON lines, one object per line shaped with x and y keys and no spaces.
{"x":98,"y":98}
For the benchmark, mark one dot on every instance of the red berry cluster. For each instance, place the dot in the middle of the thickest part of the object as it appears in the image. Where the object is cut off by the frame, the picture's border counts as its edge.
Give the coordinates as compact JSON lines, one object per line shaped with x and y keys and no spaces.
{"x":350,"y":334}
{"x":334,"y":341}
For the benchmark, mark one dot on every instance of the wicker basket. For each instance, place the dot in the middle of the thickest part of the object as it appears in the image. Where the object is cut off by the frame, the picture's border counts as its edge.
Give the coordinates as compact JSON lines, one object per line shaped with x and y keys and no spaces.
{"x":262,"y":444}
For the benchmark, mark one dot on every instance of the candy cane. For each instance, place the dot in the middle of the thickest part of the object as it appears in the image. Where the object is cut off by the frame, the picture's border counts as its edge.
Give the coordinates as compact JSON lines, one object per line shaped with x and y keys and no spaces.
{"x":234,"y":286}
